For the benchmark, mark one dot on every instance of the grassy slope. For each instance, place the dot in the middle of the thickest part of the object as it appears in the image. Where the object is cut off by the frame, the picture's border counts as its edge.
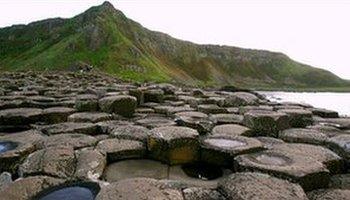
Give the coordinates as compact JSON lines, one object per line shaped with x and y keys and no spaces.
{"x":105,"y":38}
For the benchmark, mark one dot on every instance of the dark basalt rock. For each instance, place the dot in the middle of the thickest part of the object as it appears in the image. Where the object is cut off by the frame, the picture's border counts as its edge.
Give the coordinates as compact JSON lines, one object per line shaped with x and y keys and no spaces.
{"x":248,"y":186}
{"x":92,"y":117}
{"x":231,"y":130}
{"x":121,"y":104}
{"x":57,"y":162}
{"x":174,"y":145}
{"x":154,"y":95}
{"x":57,"y":114}
{"x":20,"y":116}
{"x":304,"y":136}
{"x":71,"y":127}
{"x":119,"y":149}
{"x":324,"y":113}
{"x":266,"y":123}
{"x":221,"y":150}
{"x":341,"y":145}
{"x":309,"y":173}
{"x":16,"y":147}
{"x":199,"y":193}
{"x":86,"y":102}
{"x":87,"y":126}
{"x":240,"y":99}
{"x":226,"y":118}
{"x":74,"y":140}
{"x":90,"y":164}
{"x":298,"y":118}
{"x":155,"y":121}
{"x":131,"y":132}
{"x":195,"y":120}
{"x":139,"y":188}
{"x":326,"y":194}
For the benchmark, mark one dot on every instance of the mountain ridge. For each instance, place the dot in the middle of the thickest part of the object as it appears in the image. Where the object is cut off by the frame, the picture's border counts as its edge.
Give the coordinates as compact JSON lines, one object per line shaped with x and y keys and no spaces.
{"x":104,"y":37}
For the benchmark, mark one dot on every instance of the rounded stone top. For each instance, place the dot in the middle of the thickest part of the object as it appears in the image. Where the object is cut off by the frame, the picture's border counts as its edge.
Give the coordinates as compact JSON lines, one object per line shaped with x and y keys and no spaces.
{"x":191,"y":114}
{"x":232,"y":144}
{"x":260,"y":186}
{"x":230,"y":130}
{"x":173,"y":132}
{"x":21,"y":112}
{"x":115,"y":145}
{"x":296,"y":111}
{"x":138,"y":188}
{"x":263,"y":113}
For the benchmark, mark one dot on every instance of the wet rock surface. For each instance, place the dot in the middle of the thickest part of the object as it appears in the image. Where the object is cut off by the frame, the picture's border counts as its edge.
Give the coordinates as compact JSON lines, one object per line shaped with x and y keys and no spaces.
{"x":160,"y":141}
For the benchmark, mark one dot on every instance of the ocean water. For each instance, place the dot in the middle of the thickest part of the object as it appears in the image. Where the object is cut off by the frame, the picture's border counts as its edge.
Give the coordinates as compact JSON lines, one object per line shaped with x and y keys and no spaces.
{"x":339,"y":102}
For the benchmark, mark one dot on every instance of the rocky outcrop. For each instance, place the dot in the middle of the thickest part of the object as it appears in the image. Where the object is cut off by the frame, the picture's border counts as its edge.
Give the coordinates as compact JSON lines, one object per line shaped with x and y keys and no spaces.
{"x":62,"y":130}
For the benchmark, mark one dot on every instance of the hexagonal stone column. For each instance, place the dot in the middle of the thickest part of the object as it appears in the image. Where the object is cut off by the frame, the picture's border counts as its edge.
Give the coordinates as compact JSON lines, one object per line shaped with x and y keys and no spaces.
{"x":333,"y":162}
{"x":240,"y":99}
{"x":221,"y":149}
{"x":298,"y":118}
{"x":324,"y":113}
{"x":131,"y":132}
{"x":154,"y":95}
{"x":341,"y":145}
{"x":138,"y":188}
{"x":75,"y":140}
{"x":266,"y":123}
{"x":200,"y":193}
{"x":57,"y":162}
{"x":231,"y":130}
{"x":174,"y":145}
{"x":118,"y":149}
{"x":327,"y":194}
{"x":90,"y":164}
{"x":211,"y":109}
{"x":86,"y":102}
{"x":14,"y":148}
{"x":121,"y":104}
{"x":299,"y":135}
{"x":70,"y":127}
{"x":93,"y":117}
{"x":246,"y":186}
{"x":20,"y":116}
{"x":195,"y":120}
{"x":57,"y":114}
{"x":308,"y":172}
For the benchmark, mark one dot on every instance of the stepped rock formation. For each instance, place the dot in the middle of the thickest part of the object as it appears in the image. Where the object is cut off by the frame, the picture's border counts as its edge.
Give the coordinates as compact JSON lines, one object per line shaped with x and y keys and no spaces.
{"x":87,"y":134}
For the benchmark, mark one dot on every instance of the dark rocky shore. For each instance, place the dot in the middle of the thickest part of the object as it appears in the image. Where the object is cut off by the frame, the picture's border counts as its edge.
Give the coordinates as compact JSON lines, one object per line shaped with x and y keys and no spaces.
{"x":90,"y":136}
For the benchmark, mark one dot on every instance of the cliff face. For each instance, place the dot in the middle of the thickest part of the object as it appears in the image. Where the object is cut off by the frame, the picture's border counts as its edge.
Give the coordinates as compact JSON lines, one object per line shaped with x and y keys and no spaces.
{"x":105,"y":38}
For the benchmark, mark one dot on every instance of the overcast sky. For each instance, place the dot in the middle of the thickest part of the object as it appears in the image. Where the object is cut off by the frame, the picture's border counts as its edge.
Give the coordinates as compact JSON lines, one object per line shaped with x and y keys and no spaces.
{"x":309,"y":31}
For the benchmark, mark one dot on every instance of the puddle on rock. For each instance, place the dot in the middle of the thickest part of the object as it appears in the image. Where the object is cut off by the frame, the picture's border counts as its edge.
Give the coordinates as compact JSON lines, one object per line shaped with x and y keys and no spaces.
{"x":202,"y":171}
{"x":272,"y":160}
{"x":225,"y":143}
{"x":76,"y":192}
{"x":135,"y":168}
{"x":7,"y":146}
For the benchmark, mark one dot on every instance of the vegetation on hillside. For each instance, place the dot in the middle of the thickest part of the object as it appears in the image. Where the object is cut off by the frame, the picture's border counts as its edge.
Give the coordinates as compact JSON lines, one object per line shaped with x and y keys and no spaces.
{"x":106,"y":39}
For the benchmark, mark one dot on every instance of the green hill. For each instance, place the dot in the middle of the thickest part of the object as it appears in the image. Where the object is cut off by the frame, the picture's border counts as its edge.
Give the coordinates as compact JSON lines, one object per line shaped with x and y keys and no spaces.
{"x":105,"y":38}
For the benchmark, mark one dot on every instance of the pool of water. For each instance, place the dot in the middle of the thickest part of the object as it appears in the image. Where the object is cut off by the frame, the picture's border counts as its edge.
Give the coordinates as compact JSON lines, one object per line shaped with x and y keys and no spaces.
{"x":339,"y":102}
{"x":202,"y":171}
{"x":7,"y":146}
